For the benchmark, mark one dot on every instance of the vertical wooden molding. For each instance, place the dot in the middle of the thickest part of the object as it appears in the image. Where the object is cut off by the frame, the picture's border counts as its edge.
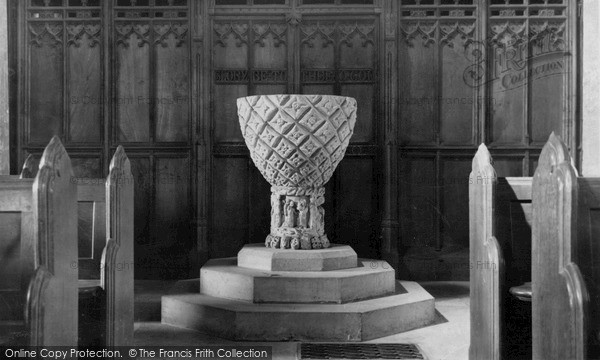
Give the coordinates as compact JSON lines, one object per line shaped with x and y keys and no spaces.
{"x":198,"y":18}
{"x":4,"y":103}
{"x":204,"y":172}
{"x":390,"y":224}
{"x":590,"y":107}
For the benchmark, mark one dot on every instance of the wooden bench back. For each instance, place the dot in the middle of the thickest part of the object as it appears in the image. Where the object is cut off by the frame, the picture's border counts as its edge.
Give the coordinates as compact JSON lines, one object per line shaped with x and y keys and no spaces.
{"x":117,"y":258}
{"x":105,"y":241}
{"x":40,"y":222}
{"x":560,"y":297}
{"x":500,"y":253}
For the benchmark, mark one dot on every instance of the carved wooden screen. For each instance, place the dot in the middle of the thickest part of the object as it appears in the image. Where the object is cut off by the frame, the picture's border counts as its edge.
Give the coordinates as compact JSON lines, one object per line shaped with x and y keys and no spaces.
{"x":118,"y":72}
{"x":152,"y":120}
{"x":341,"y":56}
{"x":433,"y":79}
{"x":500,"y":72}
{"x":291,"y":47}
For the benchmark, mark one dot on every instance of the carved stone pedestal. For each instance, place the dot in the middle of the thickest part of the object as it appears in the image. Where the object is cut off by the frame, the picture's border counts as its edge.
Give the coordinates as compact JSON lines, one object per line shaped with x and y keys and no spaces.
{"x":297,"y":218}
{"x":268,"y":294}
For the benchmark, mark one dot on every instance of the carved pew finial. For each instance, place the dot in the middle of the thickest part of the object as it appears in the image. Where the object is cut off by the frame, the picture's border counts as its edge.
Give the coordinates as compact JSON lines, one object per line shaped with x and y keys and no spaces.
{"x":28,"y":171}
{"x":482,"y":158}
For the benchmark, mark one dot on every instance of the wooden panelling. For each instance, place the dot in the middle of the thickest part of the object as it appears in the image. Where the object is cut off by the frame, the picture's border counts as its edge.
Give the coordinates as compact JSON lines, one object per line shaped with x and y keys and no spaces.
{"x":417,"y":100}
{"x":46,"y":96}
{"x":508,"y":115}
{"x":454,"y":188}
{"x":172,"y":205}
{"x":162,"y":76}
{"x":230,"y":207}
{"x":87,"y":166}
{"x":227,"y":128}
{"x":133,"y":84}
{"x":508,"y":165}
{"x":364,"y":131}
{"x":418,"y":201}
{"x":355,"y":215}
{"x":85,"y":83}
{"x":458,"y":100}
{"x":141,"y":169}
{"x":172,"y":83}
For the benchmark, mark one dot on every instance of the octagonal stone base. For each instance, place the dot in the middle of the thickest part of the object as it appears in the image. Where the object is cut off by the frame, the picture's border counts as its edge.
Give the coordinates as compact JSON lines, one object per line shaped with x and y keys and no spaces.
{"x":259,"y":257}
{"x":373,"y":278}
{"x":409,"y":308}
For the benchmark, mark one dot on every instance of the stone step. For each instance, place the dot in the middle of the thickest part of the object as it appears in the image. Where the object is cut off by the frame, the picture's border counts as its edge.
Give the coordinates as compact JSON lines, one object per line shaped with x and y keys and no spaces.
{"x":222,"y":278}
{"x":410,"y":308}
{"x":148,"y":294}
{"x":259,"y":257}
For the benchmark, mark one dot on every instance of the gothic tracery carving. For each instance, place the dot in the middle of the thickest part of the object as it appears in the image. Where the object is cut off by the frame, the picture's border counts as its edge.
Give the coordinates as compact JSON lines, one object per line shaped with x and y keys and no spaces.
{"x":76,"y":32}
{"x":278,"y":31}
{"x":162,"y":31}
{"x":125,"y":31}
{"x":39,"y":31}
{"x":238,"y":30}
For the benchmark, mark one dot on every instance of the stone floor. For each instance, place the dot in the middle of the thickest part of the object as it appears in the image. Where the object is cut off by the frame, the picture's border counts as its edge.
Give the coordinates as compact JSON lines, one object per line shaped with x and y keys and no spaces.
{"x":447,"y":339}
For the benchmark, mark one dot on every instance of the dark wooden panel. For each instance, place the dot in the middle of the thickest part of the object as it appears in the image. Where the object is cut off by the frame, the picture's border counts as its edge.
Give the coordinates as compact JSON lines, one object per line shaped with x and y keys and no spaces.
{"x":172,"y":212}
{"x":418,"y":201}
{"x":142,"y":173}
{"x":548,"y":72}
{"x":418,"y":109}
{"x":508,"y":96}
{"x":133,"y":85}
{"x":318,"y":89}
{"x":270,"y":49}
{"x":87,"y":167}
{"x":455,"y":188}
{"x":230,"y":206}
{"x":365,"y":120}
{"x":260,"y":203}
{"x":355,"y":206}
{"x":172,"y":85}
{"x":508,"y":166}
{"x":547,"y":103}
{"x":46,"y":85}
{"x":357,"y":49}
{"x":317,"y":50}
{"x":231,"y":47}
{"x":227,"y":127}
{"x":269,"y":89}
{"x":85,"y":84}
{"x":457,"y":100}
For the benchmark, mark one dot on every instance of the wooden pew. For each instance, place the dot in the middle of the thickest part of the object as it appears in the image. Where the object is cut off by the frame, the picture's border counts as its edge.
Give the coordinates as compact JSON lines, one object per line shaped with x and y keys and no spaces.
{"x":500,"y":259}
{"x":106,"y":281}
{"x":105,"y":243}
{"x":565,"y":262}
{"x":38,"y":265}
